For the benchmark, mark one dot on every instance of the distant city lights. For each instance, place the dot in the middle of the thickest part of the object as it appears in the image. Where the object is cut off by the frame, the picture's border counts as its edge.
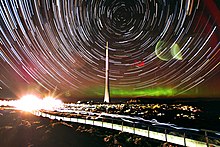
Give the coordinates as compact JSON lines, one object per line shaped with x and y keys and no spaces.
{"x":31,"y":103}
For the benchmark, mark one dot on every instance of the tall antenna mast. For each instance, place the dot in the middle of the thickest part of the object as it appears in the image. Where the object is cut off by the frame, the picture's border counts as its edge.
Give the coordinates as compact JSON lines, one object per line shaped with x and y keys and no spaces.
{"x":106,"y":97}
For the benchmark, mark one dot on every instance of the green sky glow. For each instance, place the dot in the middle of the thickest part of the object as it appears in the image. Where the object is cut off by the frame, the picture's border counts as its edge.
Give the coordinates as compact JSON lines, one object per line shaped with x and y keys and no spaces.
{"x":144,"y":92}
{"x":116,"y":92}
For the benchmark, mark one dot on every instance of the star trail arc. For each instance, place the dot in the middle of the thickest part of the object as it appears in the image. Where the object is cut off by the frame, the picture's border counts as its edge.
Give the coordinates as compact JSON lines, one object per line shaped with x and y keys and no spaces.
{"x":61,"y":44}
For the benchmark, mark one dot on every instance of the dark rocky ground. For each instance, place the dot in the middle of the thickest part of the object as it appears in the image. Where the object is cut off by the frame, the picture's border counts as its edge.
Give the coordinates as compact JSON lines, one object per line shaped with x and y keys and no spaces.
{"x":22,"y":129}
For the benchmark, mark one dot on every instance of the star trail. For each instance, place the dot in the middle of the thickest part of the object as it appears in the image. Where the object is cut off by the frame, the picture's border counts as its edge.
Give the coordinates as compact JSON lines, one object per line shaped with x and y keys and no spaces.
{"x":156,"y":47}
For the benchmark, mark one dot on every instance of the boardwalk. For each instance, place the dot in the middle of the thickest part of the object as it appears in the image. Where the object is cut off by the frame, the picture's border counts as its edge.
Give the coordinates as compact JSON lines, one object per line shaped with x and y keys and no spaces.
{"x":184,"y":141}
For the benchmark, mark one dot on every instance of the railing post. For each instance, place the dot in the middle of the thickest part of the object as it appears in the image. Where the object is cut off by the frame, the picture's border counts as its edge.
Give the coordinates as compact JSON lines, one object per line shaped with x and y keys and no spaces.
{"x":206,"y":139}
{"x":122,"y":126}
{"x":134,"y":127}
{"x":148,"y":131}
{"x":166,"y":135}
{"x":184,"y":137}
{"x":112,"y":123}
{"x":102,"y":122}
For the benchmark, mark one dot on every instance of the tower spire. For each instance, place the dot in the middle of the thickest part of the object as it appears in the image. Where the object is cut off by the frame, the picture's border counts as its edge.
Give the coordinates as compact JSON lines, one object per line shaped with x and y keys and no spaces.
{"x":106,"y":97}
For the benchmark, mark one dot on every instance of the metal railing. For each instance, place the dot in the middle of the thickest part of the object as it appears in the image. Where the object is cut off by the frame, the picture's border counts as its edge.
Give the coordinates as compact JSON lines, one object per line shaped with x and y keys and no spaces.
{"x":203,"y":138}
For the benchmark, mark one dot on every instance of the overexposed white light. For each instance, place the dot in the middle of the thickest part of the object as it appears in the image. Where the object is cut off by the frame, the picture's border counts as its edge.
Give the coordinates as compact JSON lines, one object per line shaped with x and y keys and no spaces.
{"x":31,"y":102}
{"x":50,"y":103}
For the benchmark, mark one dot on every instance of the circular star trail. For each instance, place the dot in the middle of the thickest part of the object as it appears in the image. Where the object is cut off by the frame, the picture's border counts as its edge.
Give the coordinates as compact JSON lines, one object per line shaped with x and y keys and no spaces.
{"x":156,"y":47}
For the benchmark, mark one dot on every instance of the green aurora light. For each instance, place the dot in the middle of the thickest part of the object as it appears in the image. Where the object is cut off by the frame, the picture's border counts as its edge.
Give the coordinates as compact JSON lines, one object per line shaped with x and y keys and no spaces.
{"x":116,"y":92}
{"x":145,"y":92}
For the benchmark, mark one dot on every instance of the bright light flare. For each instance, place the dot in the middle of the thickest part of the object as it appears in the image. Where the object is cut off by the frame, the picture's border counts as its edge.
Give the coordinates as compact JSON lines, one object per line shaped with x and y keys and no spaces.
{"x":28,"y":103}
{"x":50,"y":103}
{"x":31,"y":102}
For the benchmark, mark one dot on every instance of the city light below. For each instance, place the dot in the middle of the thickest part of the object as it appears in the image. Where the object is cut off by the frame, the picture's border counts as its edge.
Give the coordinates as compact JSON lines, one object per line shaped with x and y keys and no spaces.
{"x":31,"y":102}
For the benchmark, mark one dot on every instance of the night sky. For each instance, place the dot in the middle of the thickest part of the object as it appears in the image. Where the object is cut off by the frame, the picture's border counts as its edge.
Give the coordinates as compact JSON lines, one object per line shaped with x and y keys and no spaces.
{"x":157,"y":48}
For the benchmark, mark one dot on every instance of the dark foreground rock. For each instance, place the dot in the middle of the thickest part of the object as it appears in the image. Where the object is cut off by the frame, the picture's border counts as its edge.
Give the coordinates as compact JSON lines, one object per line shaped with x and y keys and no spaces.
{"x":22,"y":129}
